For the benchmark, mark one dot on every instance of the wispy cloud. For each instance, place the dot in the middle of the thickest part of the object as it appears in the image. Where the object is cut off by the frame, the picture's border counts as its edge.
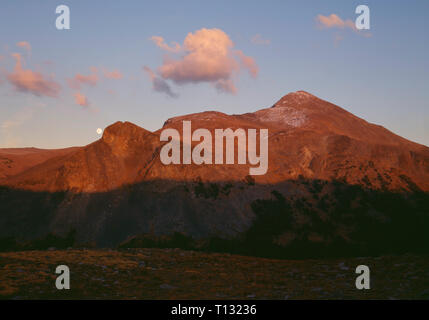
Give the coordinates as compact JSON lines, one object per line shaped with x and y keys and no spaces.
{"x":159,"y":41}
{"x":114,"y":74}
{"x":259,"y":40}
{"x":248,"y":63}
{"x":25,"y":45}
{"x":26,"y":80}
{"x":158,"y":84}
{"x":79,"y":79}
{"x":81,"y":99}
{"x":333,"y":21}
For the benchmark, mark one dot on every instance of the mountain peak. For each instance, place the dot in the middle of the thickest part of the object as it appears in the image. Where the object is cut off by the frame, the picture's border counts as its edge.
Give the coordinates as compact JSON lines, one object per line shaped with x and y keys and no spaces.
{"x":295,"y":98}
{"x":301,"y":93}
{"x":121,"y":131}
{"x":119,"y":126}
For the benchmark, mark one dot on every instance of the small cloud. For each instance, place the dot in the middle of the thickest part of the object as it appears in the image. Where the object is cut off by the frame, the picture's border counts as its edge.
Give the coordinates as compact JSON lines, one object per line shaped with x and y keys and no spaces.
{"x":334,"y":21}
{"x":25,"y":45}
{"x":159,"y":41}
{"x":80,"y":79}
{"x":158,"y":84}
{"x":81,"y":99}
{"x":26,"y":80}
{"x":114,"y":74}
{"x":259,"y":40}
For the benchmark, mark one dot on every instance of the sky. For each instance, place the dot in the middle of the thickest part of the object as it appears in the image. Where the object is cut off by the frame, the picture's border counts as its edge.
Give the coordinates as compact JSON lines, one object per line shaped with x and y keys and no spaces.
{"x":147,"y":61}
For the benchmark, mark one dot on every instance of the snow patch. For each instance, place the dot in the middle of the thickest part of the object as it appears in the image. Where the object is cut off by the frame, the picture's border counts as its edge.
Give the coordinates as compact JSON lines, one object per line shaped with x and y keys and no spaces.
{"x":295,"y":98}
{"x":287,"y":115}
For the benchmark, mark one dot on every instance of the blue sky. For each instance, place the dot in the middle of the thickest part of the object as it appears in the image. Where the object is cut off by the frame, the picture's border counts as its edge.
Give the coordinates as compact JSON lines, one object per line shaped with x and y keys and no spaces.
{"x":381,"y":78}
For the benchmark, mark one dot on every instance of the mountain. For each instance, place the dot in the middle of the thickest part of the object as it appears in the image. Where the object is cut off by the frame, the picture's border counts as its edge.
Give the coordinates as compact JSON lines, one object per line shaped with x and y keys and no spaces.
{"x":332,"y":178}
{"x":308,"y":137}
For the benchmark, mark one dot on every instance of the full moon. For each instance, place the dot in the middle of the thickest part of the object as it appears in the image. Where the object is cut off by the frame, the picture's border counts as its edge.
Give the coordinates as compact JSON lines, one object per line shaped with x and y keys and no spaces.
{"x":99,"y":131}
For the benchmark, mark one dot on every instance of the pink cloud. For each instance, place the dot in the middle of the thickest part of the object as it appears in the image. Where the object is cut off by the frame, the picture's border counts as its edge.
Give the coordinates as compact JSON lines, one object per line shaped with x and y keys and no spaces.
{"x":159,"y":41}
{"x":209,"y":56}
{"x":79,"y":79}
{"x":26,"y":80}
{"x":334,"y":21}
{"x":25,"y":45}
{"x":248,"y":63}
{"x":115,"y":74}
{"x":81,"y":99}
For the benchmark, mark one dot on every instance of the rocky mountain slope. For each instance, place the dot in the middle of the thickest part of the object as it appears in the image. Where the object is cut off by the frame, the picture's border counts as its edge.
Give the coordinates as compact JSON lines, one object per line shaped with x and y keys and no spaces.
{"x":17,"y":160}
